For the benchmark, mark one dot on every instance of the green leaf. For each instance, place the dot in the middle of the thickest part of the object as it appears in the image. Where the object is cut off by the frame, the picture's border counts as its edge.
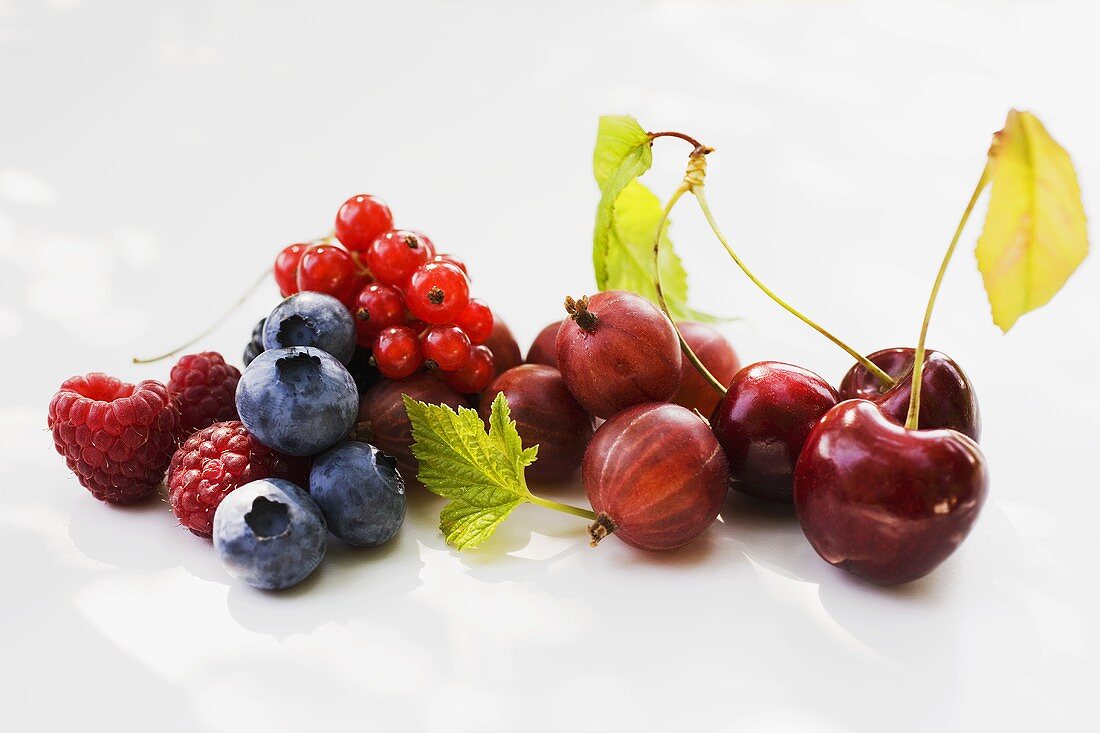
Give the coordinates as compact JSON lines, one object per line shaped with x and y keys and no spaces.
{"x":1034,"y":235}
{"x":480,"y":472}
{"x":630,"y":256}
{"x":622,"y":154}
{"x":627,"y":217}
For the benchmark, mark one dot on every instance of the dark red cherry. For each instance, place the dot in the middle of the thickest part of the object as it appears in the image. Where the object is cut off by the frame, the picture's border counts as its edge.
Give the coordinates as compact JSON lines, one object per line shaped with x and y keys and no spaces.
{"x":617,"y":350}
{"x":655,"y":475}
{"x":544,"y":349}
{"x":882,"y":502}
{"x":546,"y":415}
{"x":763,"y":422}
{"x":947,"y":398}
{"x":718,"y":357}
{"x":384,"y":423}
{"x":502,"y":343}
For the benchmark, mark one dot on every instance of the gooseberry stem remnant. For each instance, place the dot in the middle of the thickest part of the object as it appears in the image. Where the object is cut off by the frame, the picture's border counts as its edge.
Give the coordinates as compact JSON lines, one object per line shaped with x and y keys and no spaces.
{"x":694,"y":182}
{"x":913,"y":417}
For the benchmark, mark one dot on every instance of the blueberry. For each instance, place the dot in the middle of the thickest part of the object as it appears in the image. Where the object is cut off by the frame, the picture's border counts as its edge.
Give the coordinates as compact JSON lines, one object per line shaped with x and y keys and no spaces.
{"x":270,"y":534}
{"x":297,"y":401}
{"x":312,"y":319}
{"x":360,"y":493}
{"x":256,"y":345}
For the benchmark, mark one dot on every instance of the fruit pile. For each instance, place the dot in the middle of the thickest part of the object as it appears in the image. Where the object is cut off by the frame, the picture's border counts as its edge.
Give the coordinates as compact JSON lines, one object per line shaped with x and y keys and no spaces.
{"x":268,"y":462}
{"x":411,"y":306}
{"x":377,"y":371}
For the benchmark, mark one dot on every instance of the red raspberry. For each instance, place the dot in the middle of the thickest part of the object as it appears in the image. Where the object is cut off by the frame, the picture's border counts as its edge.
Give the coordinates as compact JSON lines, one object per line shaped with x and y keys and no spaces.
{"x":217,"y":460}
{"x":206,"y":389}
{"x":116,"y":438}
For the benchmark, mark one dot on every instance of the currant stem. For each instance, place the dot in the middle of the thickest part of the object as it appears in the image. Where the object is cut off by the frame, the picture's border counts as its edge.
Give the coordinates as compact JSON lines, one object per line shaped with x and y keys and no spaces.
{"x":684,"y":347}
{"x":558,"y":506}
{"x":880,"y":375}
{"x":213,"y":326}
{"x":912,"y":419}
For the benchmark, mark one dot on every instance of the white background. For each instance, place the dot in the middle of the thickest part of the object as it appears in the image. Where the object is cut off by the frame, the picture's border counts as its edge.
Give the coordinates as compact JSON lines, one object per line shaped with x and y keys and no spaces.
{"x":155,"y":156}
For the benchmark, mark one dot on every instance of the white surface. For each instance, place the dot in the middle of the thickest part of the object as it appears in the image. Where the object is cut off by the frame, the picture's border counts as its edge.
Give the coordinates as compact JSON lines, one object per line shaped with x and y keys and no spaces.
{"x":153,"y":160}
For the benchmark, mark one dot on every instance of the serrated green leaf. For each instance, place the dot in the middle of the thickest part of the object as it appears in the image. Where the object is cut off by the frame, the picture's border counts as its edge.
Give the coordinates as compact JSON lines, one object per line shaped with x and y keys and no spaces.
{"x":1034,"y":235}
{"x":627,"y":217}
{"x":480,"y":472}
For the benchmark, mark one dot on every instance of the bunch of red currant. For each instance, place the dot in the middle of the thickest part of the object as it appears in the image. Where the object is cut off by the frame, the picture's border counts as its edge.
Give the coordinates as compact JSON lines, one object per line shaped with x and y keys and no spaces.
{"x":412,"y":306}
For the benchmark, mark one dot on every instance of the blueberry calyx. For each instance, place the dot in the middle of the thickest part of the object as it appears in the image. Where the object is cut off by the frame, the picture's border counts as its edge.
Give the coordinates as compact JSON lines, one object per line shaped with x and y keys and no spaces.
{"x":268,"y":519}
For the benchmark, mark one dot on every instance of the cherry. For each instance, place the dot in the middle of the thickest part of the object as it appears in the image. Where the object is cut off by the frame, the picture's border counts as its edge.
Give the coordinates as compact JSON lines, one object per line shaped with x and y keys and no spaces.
{"x":502,"y":343}
{"x":396,"y":352}
{"x":453,"y":260}
{"x":656,"y":477}
{"x":360,"y":220}
{"x":884,"y":502}
{"x":717,"y":355}
{"x":326,"y":268}
{"x":763,"y":422}
{"x":476,"y":319}
{"x":546,"y":415}
{"x":437,"y":292}
{"x":446,"y":347}
{"x":617,"y":350}
{"x":474,"y":376}
{"x":286,"y":268}
{"x":544,"y":349}
{"x":375,"y":308}
{"x":948,"y":399}
{"x":394,"y":255}
{"x":384,"y":423}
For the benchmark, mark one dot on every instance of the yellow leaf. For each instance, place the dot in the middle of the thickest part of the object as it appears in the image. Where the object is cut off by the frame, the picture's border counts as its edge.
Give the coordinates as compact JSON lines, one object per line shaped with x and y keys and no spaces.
{"x":1034,"y":235}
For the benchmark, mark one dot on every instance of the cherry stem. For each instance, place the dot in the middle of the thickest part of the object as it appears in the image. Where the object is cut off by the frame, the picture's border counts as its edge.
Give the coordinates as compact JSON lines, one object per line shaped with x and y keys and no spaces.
{"x":700,"y":149}
{"x":213,"y":326}
{"x":661,"y":225}
{"x":558,"y":506}
{"x":700,"y":198}
{"x":912,"y":419}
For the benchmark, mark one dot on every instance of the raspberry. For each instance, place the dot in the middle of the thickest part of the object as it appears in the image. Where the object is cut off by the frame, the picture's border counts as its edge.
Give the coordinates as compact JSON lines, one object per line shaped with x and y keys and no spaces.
{"x":116,"y":438}
{"x":215,"y":461}
{"x":205,"y":387}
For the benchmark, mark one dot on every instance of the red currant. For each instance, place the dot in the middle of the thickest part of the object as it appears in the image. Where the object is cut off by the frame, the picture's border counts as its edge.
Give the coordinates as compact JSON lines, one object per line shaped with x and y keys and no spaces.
{"x":361,"y":220}
{"x":286,"y":268}
{"x":451,"y":259}
{"x":476,"y":319}
{"x":396,"y":254}
{"x":437,"y":292}
{"x":377,"y":307}
{"x":448,"y":346}
{"x":326,"y":268}
{"x":396,"y":352}
{"x":475,"y":376}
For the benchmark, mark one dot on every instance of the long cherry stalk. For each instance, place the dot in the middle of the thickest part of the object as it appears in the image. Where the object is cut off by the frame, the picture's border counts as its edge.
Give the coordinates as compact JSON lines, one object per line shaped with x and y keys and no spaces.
{"x":694,"y":180}
{"x":684,"y":346}
{"x":912,"y":418}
